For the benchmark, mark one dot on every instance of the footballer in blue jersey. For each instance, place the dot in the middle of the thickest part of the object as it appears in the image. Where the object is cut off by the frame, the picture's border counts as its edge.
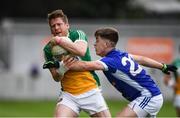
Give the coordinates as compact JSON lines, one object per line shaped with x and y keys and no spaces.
{"x":124,"y":72}
{"x":127,"y":76}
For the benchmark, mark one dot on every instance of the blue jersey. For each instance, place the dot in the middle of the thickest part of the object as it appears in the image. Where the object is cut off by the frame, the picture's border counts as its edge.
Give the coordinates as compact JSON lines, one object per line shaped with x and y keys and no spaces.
{"x":127,"y":76}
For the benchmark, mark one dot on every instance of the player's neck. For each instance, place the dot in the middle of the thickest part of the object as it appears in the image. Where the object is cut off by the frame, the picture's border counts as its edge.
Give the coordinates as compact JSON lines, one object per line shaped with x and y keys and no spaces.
{"x":108,"y":50}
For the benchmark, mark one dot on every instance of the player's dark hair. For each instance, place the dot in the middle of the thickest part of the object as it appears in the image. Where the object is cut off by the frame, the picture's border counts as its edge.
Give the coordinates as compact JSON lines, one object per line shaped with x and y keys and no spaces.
{"x":56,"y":14}
{"x":110,"y":34}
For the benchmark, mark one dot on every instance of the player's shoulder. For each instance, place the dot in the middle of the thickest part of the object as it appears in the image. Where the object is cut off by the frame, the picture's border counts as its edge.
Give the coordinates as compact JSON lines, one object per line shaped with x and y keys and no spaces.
{"x":77,"y":35}
{"x":115,"y":57}
{"x":76,"y":32}
{"x":116,"y":53}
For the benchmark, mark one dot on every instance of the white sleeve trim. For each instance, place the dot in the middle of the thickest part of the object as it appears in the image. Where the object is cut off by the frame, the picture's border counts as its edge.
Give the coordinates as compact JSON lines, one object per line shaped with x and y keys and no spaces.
{"x":80,"y":40}
{"x":81,"y":35}
{"x":105,"y":66}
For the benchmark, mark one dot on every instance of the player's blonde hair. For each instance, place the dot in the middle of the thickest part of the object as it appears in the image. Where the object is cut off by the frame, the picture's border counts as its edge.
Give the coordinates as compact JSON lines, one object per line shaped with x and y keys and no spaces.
{"x":58,"y":13}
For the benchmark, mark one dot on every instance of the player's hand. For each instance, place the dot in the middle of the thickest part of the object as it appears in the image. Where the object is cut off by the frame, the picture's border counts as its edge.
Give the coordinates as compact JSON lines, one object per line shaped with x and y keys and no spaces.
{"x":55,"y":40}
{"x":51,"y":64}
{"x":167,"y":68}
{"x":68,"y":60}
{"x":65,"y":64}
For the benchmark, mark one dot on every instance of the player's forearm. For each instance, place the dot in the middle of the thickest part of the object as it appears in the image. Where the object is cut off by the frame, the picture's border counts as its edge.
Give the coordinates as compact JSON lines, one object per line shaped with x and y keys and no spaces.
{"x":55,"y":75}
{"x":80,"y":66}
{"x":78,"y":48}
{"x":152,"y":63}
{"x":86,"y":66}
{"x":56,"y":78}
{"x":148,"y":62}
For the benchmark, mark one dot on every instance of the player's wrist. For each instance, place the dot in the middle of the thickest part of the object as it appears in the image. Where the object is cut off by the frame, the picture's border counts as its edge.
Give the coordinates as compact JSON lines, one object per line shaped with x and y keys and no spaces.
{"x":58,"y":40}
{"x":164,"y":67}
{"x":168,"y":68}
{"x":62,"y":69}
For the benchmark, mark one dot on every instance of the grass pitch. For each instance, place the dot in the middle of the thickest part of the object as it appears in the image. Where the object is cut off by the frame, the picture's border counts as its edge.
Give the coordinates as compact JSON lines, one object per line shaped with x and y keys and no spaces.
{"x":46,"y":108}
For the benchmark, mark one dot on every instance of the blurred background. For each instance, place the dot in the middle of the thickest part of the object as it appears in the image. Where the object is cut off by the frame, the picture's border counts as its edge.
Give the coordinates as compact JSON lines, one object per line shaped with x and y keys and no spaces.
{"x":146,"y":27}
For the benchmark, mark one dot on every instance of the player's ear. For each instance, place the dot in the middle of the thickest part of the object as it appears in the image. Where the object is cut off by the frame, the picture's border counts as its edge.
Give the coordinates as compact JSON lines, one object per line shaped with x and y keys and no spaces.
{"x":67,"y":24}
{"x":108,"y":43}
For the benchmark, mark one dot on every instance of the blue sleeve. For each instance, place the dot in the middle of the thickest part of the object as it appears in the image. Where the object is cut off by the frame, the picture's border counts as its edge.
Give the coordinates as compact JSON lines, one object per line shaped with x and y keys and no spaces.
{"x":109,"y":64}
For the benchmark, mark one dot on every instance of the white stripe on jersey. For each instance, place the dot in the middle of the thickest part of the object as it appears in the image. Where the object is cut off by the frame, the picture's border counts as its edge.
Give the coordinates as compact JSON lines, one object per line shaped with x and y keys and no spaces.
{"x":81,"y":40}
{"x":81,"y":35}
{"x":123,"y":77}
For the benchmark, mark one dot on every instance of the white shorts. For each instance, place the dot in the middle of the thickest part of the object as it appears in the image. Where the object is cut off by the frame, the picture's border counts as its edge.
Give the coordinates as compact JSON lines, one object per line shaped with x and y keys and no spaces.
{"x":177,"y":100}
{"x":91,"y":102}
{"x":144,"y":106}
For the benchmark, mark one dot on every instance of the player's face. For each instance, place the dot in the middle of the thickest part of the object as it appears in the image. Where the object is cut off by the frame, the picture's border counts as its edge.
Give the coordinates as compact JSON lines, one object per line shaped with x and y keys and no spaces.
{"x":100,"y":46}
{"x":58,"y":27}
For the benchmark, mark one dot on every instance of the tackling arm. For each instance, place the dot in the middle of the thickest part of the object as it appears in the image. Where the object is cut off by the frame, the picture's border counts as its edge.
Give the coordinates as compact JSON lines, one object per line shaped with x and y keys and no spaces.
{"x":84,"y":65}
{"x":148,"y":62}
{"x":145,"y":61}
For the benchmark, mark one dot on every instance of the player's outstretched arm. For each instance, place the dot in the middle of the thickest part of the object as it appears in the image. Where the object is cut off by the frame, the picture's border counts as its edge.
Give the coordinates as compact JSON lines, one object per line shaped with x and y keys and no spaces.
{"x":148,"y":62}
{"x":77,"y":65}
{"x":86,"y":66}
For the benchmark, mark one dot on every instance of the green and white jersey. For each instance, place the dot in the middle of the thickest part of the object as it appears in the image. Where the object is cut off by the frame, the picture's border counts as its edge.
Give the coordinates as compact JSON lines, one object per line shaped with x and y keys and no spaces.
{"x":74,"y":35}
{"x":78,"y":35}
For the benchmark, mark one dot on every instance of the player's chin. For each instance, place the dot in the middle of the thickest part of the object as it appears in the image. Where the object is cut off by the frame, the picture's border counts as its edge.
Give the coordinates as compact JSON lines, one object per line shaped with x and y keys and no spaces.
{"x":58,"y":34}
{"x":97,"y":53}
{"x":100,"y":54}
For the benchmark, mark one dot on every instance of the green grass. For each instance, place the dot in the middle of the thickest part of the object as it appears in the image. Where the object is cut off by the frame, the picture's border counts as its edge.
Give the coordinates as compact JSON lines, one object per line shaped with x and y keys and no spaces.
{"x":46,"y":108}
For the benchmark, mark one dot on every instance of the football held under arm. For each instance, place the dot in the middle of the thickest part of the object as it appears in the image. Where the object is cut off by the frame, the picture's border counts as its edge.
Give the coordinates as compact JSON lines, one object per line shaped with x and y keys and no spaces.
{"x":77,"y":47}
